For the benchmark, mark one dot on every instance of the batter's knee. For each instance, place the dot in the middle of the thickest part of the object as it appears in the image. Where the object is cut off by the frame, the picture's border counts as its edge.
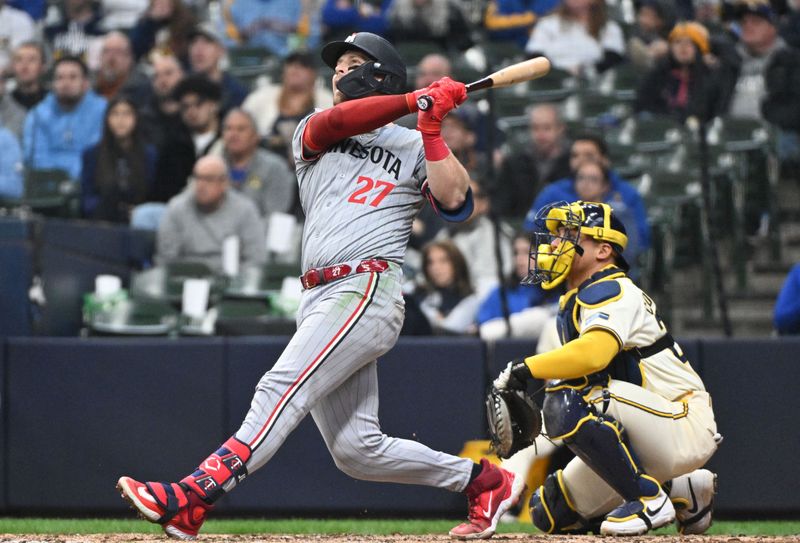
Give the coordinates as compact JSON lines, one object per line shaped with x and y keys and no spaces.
{"x":563,"y":409}
{"x":356,"y":456}
{"x":551,"y":509}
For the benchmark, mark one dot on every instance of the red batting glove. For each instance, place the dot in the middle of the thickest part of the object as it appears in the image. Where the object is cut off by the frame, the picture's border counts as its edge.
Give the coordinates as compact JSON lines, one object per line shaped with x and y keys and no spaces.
{"x":412,"y":97}
{"x":446,"y":95}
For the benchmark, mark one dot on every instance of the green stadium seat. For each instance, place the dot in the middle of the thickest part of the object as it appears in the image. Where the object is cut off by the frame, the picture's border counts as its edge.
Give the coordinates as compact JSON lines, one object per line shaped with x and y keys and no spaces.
{"x":50,"y":192}
{"x":133,"y":317}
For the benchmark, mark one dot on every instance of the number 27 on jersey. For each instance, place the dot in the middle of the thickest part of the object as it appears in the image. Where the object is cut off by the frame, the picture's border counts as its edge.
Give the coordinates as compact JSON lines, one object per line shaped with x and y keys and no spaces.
{"x":370,"y":191}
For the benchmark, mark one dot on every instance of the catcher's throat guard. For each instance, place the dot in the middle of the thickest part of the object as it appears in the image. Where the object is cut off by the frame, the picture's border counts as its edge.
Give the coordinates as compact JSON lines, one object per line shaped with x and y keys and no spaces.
{"x":556,"y":240}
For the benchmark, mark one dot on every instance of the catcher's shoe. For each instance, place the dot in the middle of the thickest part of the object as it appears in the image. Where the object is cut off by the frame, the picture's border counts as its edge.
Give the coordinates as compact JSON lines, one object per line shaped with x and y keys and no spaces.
{"x":490,"y":495}
{"x":693,"y":497}
{"x":639,"y":516}
{"x":180,"y":511}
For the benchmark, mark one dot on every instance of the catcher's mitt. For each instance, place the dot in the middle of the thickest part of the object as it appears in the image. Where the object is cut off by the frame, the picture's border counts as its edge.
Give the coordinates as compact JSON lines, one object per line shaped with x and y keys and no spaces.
{"x":514,"y":420}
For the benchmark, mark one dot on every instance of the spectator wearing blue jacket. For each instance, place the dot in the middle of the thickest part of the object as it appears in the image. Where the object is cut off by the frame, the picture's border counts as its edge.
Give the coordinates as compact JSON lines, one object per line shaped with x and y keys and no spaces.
{"x":67,"y":122}
{"x":787,"y":306}
{"x":10,"y":165}
{"x":512,"y":20}
{"x":343,"y":17}
{"x":529,"y":306}
{"x":620,"y":195}
{"x":281,"y":26}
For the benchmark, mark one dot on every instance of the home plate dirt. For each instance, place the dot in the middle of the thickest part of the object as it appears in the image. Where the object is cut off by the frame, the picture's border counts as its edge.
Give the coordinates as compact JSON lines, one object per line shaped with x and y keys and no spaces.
{"x":271,"y":538}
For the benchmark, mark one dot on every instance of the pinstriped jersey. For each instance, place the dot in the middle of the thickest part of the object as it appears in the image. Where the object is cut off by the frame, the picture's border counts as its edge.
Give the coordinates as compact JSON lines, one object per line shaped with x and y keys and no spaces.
{"x":625,"y":311}
{"x":360,"y":195}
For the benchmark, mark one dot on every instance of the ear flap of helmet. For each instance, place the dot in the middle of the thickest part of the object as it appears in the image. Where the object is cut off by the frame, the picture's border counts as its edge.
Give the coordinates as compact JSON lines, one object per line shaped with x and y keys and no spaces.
{"x":363,"y":81}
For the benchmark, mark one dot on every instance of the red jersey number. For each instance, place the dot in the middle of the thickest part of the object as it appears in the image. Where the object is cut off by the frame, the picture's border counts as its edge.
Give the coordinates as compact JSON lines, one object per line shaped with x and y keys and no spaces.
{"x":366,"y":186}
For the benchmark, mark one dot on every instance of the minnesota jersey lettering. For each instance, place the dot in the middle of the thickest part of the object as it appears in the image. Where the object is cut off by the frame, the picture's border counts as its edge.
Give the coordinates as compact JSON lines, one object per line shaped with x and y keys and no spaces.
{"x":375,"y":154}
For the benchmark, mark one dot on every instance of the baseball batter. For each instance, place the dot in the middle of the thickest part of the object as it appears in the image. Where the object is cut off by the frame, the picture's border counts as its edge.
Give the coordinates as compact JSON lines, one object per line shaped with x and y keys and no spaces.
{"x":362,"y":180}
{"x":626,"y":400}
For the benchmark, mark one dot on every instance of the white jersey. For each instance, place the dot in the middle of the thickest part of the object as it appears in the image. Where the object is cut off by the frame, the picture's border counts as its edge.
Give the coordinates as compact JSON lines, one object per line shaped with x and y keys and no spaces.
{"x":615,"y":304}
{"x":360,"y":195}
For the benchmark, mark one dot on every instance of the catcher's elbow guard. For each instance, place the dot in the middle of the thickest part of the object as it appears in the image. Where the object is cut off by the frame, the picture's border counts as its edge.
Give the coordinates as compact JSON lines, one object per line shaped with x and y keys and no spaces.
{"x":514,"y":420}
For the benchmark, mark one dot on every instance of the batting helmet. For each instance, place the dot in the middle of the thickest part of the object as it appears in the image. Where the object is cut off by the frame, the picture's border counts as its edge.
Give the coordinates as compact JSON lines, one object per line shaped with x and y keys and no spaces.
{"x":551,"y":265}
{"x":386,"y":63}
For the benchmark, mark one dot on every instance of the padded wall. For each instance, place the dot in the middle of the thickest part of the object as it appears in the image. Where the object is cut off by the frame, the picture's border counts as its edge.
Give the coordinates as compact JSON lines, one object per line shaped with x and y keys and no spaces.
{"x":81,"y":413}
{"x":753,"y":386}
{"x":15,"y":272}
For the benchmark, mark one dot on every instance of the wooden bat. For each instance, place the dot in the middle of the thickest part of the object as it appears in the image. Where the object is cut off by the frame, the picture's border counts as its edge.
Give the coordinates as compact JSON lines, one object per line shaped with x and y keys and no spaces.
{"x":527,"y":70}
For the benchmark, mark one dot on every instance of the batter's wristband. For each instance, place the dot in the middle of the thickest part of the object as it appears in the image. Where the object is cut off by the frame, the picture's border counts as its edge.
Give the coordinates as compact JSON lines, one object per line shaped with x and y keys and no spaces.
{"x":411,"y":102}
{"x":435,"y":147}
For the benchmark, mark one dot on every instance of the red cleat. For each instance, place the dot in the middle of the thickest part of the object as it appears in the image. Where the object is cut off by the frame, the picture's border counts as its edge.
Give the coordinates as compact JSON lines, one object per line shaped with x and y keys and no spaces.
{"x":181,"y":512}
{"x":490,"y":495}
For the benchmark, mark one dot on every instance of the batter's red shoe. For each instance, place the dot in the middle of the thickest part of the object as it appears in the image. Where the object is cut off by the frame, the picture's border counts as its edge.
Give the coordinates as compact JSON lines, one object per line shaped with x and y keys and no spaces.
{"x":181,"y":512}
{"x":490,"y":495}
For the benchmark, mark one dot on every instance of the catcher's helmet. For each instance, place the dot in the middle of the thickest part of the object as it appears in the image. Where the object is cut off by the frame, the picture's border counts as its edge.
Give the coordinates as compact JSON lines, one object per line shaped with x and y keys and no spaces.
{"x":386,"y":62}
{"x":551,"y":265}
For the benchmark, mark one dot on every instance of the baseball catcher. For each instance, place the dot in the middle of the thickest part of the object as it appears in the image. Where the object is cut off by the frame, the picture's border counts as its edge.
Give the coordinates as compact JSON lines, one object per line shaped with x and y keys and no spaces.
{"x":621,"y":394}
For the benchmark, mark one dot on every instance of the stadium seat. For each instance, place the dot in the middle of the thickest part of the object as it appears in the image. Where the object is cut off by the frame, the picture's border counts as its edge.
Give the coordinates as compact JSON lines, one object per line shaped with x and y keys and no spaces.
{"x":133,"y":317}
{"x":50,"y":192}
{"x":165,"y":283}
{"x":250,"y":317}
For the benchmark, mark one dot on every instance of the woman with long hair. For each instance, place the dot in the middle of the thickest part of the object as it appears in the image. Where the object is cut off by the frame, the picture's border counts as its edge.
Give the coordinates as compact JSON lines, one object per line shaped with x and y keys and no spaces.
{"x":447,"y":298}
{"x":579,"y":37}
{"x":118,"y":172}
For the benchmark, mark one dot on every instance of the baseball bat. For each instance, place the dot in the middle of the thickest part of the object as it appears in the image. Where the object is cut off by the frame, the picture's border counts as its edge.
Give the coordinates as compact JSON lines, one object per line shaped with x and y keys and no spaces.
{"x":527,"y":70}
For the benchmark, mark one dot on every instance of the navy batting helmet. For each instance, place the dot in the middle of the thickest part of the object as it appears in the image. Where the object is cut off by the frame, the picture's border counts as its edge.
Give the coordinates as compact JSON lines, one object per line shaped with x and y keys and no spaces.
{"x":385,"y":62}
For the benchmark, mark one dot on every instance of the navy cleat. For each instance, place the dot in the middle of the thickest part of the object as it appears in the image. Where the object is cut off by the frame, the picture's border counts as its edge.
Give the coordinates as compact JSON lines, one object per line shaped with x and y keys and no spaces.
{"x":639,"y":516}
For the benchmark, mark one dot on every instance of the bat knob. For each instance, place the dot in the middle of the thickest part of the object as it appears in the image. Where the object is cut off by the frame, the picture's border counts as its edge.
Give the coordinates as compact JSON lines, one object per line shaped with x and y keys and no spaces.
{"x":424,"y":102}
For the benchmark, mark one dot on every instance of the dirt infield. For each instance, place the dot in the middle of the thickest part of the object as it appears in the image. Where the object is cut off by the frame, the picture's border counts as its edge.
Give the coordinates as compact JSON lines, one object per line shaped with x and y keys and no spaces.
{"x":270,"y":538}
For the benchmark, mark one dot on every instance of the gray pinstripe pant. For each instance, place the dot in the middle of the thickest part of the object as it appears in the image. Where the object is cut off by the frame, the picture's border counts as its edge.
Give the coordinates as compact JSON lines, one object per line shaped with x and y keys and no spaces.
{"x":329,"y":368}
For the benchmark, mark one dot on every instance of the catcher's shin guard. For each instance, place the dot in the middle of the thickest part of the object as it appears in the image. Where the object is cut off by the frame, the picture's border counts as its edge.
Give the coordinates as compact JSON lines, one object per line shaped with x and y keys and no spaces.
{"x":226,"y":464}
{"x":599,"y":441}
{"x":552,"y":511}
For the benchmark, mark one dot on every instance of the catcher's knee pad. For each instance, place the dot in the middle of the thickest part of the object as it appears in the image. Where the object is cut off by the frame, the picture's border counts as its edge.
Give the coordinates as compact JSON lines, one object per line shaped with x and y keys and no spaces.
{"x":551,"y":509}
{"x":562,"y":410}
{"x":600,"y":441}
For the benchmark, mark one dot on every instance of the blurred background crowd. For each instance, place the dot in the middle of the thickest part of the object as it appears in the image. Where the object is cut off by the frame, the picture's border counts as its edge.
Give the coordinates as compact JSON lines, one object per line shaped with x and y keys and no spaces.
{"x":175,"y":117}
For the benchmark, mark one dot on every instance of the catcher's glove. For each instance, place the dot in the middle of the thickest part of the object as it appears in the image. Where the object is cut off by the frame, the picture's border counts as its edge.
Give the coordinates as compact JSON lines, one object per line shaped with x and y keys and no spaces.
{"x":514,"y":420}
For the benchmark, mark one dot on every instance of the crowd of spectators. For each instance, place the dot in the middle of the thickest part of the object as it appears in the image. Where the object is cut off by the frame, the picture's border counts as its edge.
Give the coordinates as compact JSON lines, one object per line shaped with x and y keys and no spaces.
{"x":136,"y":102}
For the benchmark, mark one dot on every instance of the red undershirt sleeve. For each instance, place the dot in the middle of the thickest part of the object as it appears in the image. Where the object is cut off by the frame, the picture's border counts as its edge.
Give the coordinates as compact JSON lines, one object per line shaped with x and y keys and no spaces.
{"x":354,"y":117}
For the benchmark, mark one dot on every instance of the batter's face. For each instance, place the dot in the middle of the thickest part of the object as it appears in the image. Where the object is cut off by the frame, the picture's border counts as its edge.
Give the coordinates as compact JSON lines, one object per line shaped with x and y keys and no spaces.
{"x":348,"y":62}
{"x":440,"y":269}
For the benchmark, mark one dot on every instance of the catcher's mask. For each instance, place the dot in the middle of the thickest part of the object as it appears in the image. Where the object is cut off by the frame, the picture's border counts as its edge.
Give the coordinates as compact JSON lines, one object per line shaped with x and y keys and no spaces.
{"x":385,"y":73}
{"x":551,"y":262}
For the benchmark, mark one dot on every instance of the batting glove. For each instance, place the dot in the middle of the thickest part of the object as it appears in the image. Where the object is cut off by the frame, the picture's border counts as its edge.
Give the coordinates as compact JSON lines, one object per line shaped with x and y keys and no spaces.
{"x":446,"y":95}
{"x":514,"y":377}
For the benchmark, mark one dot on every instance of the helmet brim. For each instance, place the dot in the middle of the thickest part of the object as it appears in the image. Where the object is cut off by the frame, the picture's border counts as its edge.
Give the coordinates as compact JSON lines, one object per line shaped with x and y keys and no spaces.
{"x":332,"y":51}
